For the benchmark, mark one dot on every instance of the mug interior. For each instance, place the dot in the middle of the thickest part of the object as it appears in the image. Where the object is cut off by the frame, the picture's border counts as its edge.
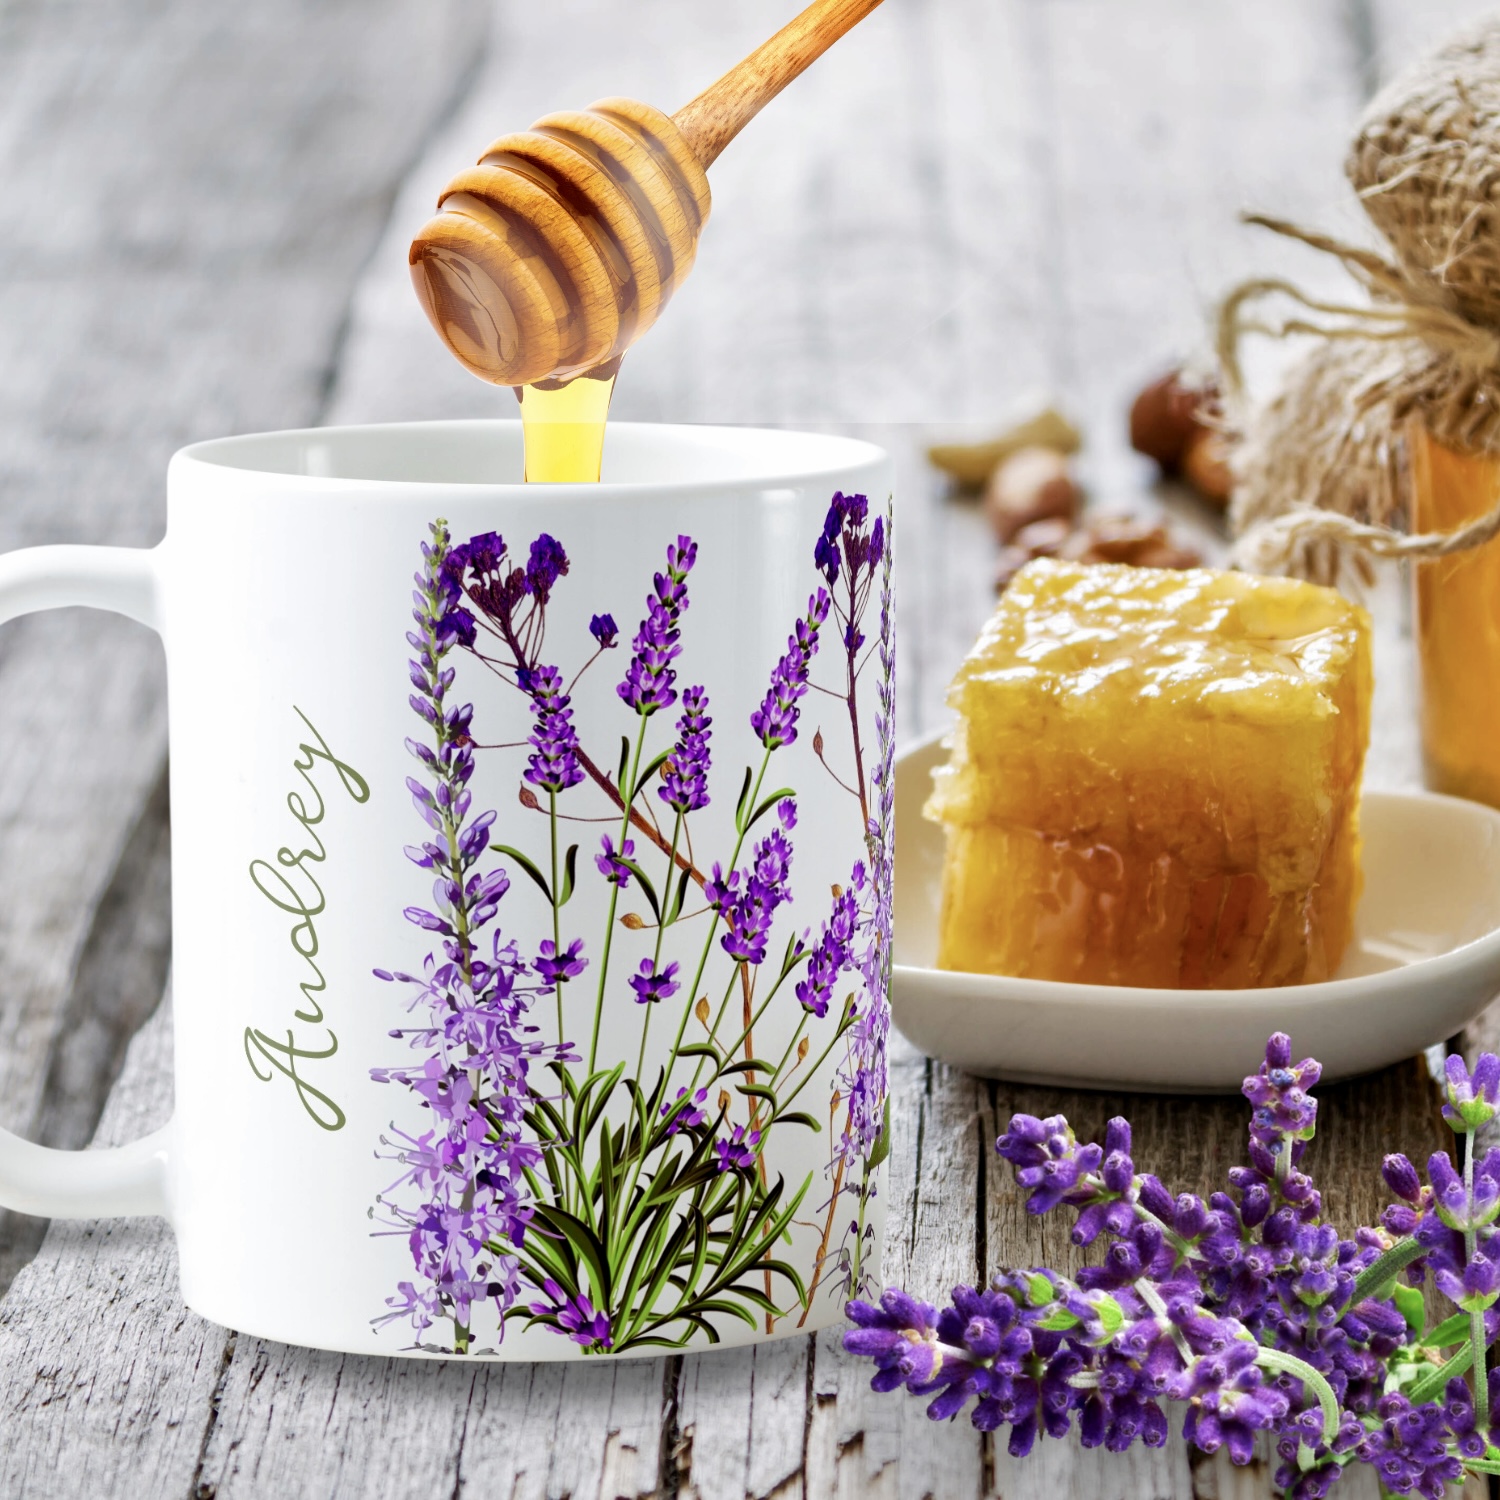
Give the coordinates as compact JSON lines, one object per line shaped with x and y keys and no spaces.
{"x":491,"y":452}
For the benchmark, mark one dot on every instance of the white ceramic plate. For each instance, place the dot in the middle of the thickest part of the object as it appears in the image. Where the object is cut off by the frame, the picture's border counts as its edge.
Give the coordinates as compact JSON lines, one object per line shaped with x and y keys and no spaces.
{"x":1424,"y":961}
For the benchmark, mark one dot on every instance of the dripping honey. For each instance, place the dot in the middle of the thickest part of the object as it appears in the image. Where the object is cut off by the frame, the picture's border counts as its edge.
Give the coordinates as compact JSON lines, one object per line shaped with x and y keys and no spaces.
{"x":562,"y":424}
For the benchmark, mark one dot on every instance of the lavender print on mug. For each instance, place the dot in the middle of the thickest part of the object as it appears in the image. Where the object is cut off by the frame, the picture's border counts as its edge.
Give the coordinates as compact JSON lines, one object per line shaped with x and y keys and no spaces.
{"x":638,"y":1049}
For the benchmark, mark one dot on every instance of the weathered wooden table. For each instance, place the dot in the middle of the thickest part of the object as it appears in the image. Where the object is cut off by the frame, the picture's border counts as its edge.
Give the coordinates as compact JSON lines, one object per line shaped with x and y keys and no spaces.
{"x":203,"y":214}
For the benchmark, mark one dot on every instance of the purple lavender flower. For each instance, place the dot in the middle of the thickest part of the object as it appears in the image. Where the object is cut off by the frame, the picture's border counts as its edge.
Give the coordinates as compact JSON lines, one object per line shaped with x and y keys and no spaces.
{"x":604,"y":630}
{"x":833,"y":955}
{"x":1049,"y":1160}
{"x":547,"y":563}
{"x":611,"y":862}
{"x":899,"y":1335}
{"x":684,"y":774}
{"x":553,"y":764}
{"x":748,"y":905}
{"x":461,"y":1200}
{"x":786,"y":813}
{"x":775,"y":721}
{"x":652,"y":984}
{"x":1229,"y":1400}
{"x":575,"y":1317}
{"x":649,"y":679}
{"x":1408,"y":1450}
{"x":736,"y":1153}
{"x":686,"y":1112}
{"x":554,"y":968}
{"x":1279,"y":1094}
{"x":1471,"y":1097}
{"x":511,"y":600}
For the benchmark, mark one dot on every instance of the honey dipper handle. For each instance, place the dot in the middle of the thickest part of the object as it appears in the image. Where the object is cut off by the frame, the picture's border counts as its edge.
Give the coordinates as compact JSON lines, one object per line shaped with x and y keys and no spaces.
{"x":723,"y":109}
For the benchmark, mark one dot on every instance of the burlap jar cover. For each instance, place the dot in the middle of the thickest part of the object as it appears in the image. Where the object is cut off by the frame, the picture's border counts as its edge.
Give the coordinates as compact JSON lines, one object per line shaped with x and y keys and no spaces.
{"x":1320,"y":468}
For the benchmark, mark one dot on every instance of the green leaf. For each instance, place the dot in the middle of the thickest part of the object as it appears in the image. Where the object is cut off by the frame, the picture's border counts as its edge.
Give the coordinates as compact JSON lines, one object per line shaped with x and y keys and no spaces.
{"x":698,"y":1049}
{"x":758,"y":1091}
{"x":526,"y":865}
{"x":1039,"y":1291}
{"x":582,"y":1239}
{"x":570,"y":870}
{"x":647,"y":889}
{"x":648,"y":773}
{"x":882,"y":1147}
{"x":1409,"y":1303}
{"x":624,"y":770}
{"x":1111,"y":1315}
{"x":747,"y":1065}
{"x":767,"y":803}
{"x":798,"y":1117}
{"x":1454,"y":1330}
{"x":739,"y":808}
{"x":1058,"y":1320}
{"x":1431,"y":1384}
{"x":675,"y":909}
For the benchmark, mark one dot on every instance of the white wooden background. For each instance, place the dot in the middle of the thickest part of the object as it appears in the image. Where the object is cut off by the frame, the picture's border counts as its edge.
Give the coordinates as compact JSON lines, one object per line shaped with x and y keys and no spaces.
{"x":204,"y":207}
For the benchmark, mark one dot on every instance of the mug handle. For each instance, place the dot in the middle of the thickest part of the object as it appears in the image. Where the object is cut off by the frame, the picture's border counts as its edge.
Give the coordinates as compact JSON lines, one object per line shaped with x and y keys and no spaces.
{"x":124,"y":1179}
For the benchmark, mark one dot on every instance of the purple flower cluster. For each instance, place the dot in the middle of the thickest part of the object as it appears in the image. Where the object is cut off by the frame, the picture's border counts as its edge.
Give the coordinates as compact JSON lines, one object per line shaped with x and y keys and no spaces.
{"x":747,"y":899}
{"x":684,"y":774}
{"x":736,"y":1151}
{"x":833,"y":955}
{"x":847,"y":552}
{"x":612,"y":862}
{"x":1245,"y":1306}
{"x":461,"y":1200}
{"x":862,"y":1073}
{"x":651,"y":984}
{"x":775,"y":721}
{"x":649,"y":679}
{"x":686,"y":1111}
{"x":510,"y":599}
{"x":576,"y":1317}
{"x":553,"y":764}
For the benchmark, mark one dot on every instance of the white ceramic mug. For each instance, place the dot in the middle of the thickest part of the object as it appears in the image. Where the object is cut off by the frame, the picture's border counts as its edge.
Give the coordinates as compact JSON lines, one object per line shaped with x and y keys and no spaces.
{"x":531,"y":928}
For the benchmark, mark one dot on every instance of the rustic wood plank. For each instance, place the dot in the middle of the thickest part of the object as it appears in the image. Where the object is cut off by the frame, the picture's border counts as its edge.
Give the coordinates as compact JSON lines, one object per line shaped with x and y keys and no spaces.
{"x":102,"y":1370}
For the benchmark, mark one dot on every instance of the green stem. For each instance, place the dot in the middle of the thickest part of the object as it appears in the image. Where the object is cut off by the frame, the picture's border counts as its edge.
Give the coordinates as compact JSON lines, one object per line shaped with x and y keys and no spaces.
{"x":1433,"y":1383}
{"x":556,"y":913}
{"x":811,"y":1073}
{"x":1380,"y":1273}
{"x":796,"y":1037}
{"x":708,"y":942}
{"x":1275,"y":1359}
{"x":1476,"y":1316}
{"x":627,"y":796}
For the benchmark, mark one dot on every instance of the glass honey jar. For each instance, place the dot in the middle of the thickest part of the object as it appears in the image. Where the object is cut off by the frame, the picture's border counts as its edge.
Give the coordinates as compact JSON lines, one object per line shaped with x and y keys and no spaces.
{"x":1458,"y":621}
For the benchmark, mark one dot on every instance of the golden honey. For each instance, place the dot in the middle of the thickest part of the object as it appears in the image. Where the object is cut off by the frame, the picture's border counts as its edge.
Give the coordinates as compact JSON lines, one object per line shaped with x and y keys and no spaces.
{"x":562,"y":424}
{"x":1154,"y":780}
{"x":1458,"y":622}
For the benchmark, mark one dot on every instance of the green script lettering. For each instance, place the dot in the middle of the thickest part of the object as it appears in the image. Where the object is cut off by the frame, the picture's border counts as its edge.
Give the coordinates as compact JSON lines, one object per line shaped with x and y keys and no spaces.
{"x":290,"y":886}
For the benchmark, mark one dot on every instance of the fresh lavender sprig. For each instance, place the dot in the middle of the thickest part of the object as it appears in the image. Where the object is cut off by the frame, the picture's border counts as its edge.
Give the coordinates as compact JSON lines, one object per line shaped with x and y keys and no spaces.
{"x":462,"y":1199}
{"x":1247,"y":1307}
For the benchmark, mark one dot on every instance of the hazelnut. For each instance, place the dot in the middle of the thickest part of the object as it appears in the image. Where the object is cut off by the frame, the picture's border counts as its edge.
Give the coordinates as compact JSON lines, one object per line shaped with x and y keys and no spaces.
{"x":1165,"y":418}
{"x":1205,"y":466}
{"x":1033,"y":484}
{"x":1043,"y":538}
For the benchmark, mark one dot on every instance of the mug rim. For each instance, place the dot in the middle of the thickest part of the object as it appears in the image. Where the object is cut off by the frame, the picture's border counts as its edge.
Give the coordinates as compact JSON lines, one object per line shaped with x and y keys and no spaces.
{"x":840,"y":455}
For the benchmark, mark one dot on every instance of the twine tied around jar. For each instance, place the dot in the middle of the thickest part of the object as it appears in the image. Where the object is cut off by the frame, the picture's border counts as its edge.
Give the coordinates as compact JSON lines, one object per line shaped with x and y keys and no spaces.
{"x":1320,"y":468}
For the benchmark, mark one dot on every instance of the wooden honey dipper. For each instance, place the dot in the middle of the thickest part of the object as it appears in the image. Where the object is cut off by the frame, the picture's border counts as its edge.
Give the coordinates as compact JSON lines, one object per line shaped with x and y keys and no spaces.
{"x":558,"y":250}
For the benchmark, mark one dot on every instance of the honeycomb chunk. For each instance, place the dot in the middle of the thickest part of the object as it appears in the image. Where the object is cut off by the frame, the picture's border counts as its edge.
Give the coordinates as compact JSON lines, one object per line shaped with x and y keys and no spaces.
{"x":1154,"y":780}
